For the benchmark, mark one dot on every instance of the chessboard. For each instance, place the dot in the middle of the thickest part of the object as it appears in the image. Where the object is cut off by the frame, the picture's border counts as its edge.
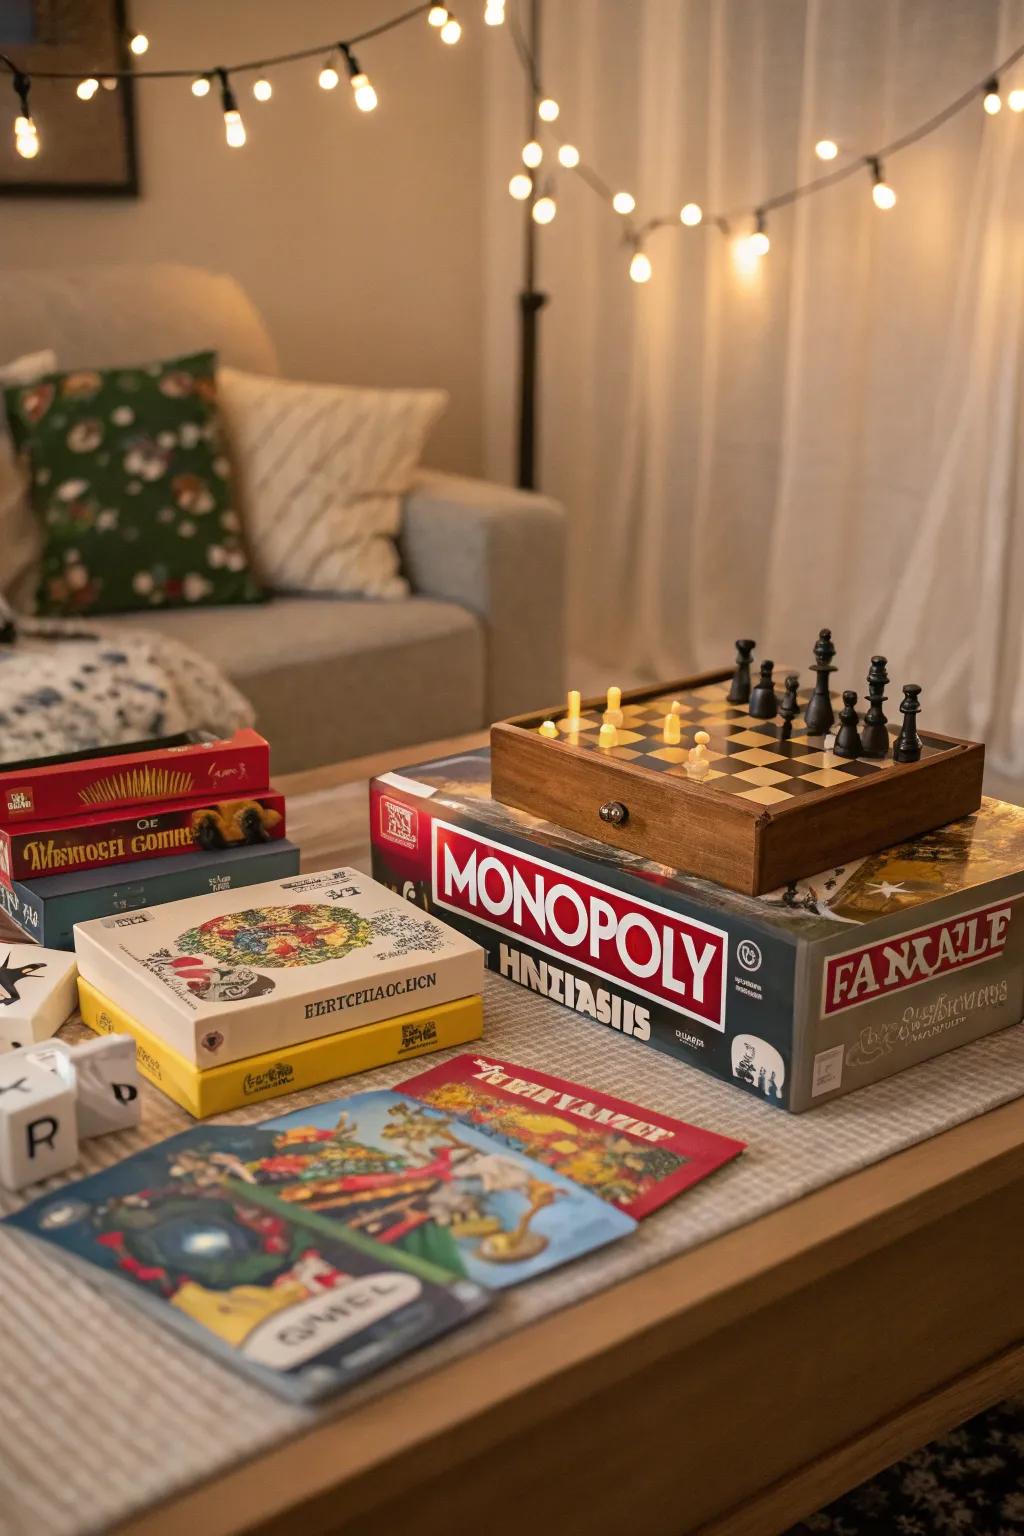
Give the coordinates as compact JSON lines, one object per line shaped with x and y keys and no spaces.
{"x":773,"y":803}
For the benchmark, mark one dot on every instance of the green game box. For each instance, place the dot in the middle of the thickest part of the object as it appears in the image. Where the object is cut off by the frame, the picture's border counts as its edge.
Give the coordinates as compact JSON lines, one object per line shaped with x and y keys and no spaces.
{"x":799,"y":995}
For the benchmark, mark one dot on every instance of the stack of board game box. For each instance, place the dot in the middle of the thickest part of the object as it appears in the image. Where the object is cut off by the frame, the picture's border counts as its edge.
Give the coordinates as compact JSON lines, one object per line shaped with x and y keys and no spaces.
{"x":93,"y":833}
{"x":797,"y":995}
{"x":241,"y":996}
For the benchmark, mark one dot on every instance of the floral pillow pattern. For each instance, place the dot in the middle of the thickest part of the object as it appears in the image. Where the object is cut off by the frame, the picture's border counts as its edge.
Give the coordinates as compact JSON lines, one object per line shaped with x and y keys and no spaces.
{"x":132,"y":487}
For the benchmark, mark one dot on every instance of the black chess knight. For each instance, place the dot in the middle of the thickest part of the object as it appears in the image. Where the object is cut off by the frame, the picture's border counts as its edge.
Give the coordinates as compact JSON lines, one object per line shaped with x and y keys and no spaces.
{"x":819,"y":715}
{"x":907,"y":746}
{"x":764,"y":704}
{"x":847,"y":742}
{"x":874,"y":738}
{"x":739,"y":691}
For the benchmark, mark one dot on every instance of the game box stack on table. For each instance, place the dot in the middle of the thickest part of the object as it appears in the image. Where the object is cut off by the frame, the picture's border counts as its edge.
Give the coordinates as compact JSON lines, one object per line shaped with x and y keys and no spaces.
{"x":93,"y":833}
{"x":241,"y":996}
{"x":604,"y":860}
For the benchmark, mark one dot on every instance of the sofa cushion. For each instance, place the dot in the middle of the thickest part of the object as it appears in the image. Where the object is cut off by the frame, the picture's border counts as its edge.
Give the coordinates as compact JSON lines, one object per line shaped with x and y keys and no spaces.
{"x":335,"y":678}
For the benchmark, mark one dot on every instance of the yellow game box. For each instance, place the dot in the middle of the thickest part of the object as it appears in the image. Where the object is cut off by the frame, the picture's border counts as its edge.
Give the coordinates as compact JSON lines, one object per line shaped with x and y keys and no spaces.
{"x":273,"y":1073}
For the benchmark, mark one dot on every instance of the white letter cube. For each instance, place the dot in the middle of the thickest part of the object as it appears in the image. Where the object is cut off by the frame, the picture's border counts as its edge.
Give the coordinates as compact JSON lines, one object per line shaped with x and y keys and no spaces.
{"x":37,"y":993}
{"x":106,"y":1082}
{"x":38,"y":1131}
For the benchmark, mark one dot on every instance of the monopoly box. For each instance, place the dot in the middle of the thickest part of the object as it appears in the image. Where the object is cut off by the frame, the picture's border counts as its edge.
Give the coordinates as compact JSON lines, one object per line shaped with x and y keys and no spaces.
{"x":798,"y":995}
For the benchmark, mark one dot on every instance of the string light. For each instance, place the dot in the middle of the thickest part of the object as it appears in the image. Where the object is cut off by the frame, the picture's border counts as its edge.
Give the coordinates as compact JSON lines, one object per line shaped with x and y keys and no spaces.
{"x":826,"y":149}
{"x":758,"y":244}
{"x":201,"y":85}
{"x":547,"y":110}
{"x":262,"y":89}
{"x":533,"y":154}
{"x":624,"y":202}
{"x":640,"y":268}
{"x":437,"y":15}
{"x":569,"y":156}
{"x":992,"y":101}
{"x":234,"y":128}
{"x":883,"y":195}
{"x":26,"y":135}
{"x":85,"y":90}
{"x":520,"y":186}
{"x":451,"y":31}
{"x":494,"y":13}
{"x":363,"y":92}
{"x":691,"y":214}
{"x":328,"y":77}
{"x":544,"y":209}
{"x":108,"y":82}
{"x":1015,"y":101}
{"x":139,"y":44}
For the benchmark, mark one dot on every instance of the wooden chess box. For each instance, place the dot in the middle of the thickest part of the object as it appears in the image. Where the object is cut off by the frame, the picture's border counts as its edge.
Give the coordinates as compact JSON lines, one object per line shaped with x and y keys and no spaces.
{"x":773,"y":807}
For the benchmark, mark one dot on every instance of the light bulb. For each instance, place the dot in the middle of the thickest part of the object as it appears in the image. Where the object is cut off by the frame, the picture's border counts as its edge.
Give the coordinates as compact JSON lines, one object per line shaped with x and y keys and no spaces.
{"x":1015,"y":101}
{"x":547,"y":110}
{"x":139,"y":44}
{"x":234,"y":128}
{"x":437,"y":15}
{"x":623,"y":202}
{"x":883,"y":194}
{"x":691,"y":213}
{"x":826,"y":149}
{"x":520,"y":187}
{"x":365,"y":95}
{"x":108,"y":82}
{"x":85,"y":90}
{"x":992,"y":103}
{"x":200,"y":86}
{"x":26,"y":137}
{"x":569,"y":156}
{"x":544,"y":210}
{"x":262,"y":89}
{"x":758,"y":243}
{"x":640,"y":267}
{"x":533,"y":154}
{"x":451,"y":31}
{"x":328,"y":78}
{"x":494,"y":13}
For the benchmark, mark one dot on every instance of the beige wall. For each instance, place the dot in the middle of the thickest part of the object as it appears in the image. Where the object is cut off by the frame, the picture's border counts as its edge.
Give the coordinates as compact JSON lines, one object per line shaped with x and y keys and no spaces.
{"x":358,"y":236}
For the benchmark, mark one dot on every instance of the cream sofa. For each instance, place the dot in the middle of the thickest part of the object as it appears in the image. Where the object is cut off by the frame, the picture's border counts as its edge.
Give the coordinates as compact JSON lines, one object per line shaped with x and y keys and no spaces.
{"x":481,"y":636}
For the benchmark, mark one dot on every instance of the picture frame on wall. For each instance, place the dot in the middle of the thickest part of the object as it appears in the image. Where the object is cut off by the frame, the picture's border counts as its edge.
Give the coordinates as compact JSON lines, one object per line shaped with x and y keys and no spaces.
{"x":87,"y":148}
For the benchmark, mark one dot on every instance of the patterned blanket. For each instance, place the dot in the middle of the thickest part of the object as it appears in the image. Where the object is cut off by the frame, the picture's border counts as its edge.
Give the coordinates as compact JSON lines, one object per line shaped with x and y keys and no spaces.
{"x":67,"y":685}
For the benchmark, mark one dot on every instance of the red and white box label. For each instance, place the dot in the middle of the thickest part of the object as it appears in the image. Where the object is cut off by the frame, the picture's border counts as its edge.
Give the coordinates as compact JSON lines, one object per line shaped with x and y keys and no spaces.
{"x":908,"y":959}
{"x":398,"y":823}
{"x":674,"y":960}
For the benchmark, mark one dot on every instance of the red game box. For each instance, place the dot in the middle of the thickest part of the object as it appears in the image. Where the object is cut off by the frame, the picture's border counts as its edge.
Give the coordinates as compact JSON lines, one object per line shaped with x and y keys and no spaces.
{"x":89,"y":842}
{"x":198,"y":770}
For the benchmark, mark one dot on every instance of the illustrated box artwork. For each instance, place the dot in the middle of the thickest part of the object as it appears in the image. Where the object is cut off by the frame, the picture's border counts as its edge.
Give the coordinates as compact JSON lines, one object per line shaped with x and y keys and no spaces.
{"x":798,"y":995}
{"x":37,"y":993}
{"x":223,"y":977}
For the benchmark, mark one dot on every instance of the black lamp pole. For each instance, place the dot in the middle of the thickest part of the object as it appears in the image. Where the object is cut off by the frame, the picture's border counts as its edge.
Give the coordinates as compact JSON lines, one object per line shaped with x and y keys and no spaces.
{"x":531,"y":301}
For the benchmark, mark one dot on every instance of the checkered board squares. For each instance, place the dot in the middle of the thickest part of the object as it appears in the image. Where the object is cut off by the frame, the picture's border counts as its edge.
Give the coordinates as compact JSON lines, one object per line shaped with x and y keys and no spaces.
{"x":754,"y":760}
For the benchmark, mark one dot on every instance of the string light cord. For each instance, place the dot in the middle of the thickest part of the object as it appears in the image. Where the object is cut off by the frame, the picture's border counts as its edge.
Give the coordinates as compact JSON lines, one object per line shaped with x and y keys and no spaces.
{"x":636,"y":233}
{"x":249,"y":66}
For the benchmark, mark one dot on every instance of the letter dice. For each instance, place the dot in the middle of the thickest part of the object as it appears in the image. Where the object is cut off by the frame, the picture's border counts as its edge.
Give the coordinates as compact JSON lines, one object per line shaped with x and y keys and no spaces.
{"x":37,"y":993}
{"x":38,"y":1135}
{"x":106,"y":1082}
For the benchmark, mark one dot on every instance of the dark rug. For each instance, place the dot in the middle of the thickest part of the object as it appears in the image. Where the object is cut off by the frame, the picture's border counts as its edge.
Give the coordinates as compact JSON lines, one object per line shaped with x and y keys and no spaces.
{"x":969,"y":1483}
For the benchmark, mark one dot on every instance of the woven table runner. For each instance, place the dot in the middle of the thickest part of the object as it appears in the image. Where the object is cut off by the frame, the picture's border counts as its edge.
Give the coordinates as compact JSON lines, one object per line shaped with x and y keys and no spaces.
{"x":103,"y":1413}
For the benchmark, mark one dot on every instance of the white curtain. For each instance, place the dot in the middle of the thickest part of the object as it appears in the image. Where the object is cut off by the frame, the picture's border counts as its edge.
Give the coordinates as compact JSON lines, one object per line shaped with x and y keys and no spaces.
{"x":828,"y":436}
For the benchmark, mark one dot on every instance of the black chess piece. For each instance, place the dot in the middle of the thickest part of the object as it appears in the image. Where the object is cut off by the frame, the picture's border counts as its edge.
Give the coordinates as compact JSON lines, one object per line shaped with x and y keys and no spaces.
{"x":789,"y":706}
{"x":739,"y":691}
{"x":847,"y":742}
{"x":819,"y":715}
{"x":763,"y":702}
{"x":907,"y":746}
{"x":874,"y":738}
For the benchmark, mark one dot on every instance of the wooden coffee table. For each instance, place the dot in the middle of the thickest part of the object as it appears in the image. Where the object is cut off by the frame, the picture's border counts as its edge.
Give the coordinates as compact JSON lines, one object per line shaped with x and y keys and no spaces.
{"x":728,"y":1392}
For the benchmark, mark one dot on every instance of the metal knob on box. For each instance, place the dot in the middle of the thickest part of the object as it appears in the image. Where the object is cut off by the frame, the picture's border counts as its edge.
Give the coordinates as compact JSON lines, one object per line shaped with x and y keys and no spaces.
{"x":614,"y":813}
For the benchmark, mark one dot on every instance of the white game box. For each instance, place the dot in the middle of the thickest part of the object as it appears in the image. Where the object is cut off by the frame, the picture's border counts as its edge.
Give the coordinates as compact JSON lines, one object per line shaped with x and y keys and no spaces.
{"x":226,"y":976}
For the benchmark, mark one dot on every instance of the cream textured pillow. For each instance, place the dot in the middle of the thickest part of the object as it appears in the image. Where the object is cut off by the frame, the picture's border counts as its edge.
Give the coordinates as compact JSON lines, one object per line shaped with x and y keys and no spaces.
{"x":20,"y":539}
{"x":320,"y":471}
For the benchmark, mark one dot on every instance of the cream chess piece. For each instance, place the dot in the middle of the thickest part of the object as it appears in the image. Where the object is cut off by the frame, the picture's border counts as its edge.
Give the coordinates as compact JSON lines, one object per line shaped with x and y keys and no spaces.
{"x":572,"y":714}
{"x":672,"y":731}
{"x":607,"y":736}
{"x":697,"y":764}
{"x":613,"y":712}
{"x":547,"y":728}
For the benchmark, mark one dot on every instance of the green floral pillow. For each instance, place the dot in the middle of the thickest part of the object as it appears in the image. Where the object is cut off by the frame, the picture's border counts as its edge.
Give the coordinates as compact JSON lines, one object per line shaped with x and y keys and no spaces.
{"x":131,"y":484}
